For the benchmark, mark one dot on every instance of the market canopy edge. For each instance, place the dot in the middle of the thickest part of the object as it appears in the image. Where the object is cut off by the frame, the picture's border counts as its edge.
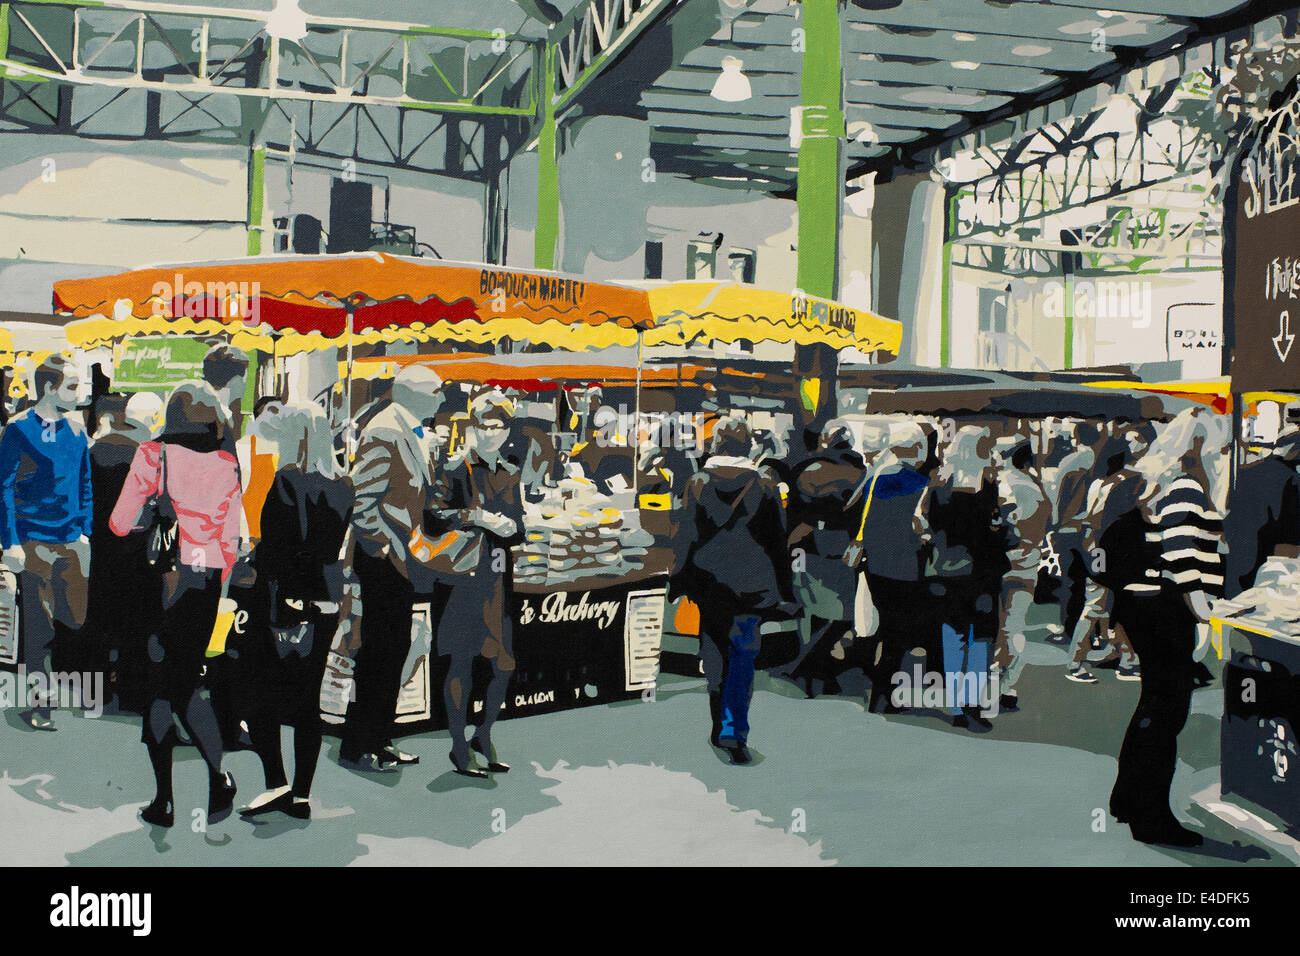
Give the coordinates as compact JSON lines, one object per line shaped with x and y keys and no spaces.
{"x":469,"y":302}
{"x":729,"y":311}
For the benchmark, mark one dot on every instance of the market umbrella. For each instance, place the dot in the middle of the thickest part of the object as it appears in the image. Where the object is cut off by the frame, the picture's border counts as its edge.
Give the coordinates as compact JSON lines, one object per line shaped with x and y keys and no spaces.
{"x":368,"y":293}
{"x":321,"y":301}
{"x":729,"y":311}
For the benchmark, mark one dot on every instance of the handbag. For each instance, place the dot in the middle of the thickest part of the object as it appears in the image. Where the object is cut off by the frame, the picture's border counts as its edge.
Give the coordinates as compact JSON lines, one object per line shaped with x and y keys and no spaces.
{"x":866,"y":619}
{"x":162,"y":534}
{"x":296,"y":640}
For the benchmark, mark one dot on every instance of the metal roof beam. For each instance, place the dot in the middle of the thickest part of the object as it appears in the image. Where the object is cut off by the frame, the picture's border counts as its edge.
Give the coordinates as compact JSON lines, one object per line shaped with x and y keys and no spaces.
{"x":1124,"y":59}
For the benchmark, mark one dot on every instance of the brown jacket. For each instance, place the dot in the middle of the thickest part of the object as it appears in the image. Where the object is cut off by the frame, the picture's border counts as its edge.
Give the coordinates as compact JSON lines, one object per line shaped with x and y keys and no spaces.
{"x":393,"y":477}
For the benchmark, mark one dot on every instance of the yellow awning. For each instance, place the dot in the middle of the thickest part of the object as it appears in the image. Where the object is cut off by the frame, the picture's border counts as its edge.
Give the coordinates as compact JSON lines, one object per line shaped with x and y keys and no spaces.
{"x":727,"y":311}
{"x":92,"y":332}
{"x":1213,"y":392}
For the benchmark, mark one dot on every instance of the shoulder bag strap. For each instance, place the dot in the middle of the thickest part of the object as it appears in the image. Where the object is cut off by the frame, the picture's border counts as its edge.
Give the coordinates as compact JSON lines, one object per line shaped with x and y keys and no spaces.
{"x":871,"y":490}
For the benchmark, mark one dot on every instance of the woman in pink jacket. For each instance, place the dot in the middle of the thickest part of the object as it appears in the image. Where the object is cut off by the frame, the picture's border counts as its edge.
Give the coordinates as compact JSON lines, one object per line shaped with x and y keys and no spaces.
{"x":202,"y":483}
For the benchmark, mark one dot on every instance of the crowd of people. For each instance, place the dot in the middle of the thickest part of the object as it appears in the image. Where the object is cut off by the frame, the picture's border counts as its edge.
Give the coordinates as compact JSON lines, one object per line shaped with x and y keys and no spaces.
{"x":909,"y":539}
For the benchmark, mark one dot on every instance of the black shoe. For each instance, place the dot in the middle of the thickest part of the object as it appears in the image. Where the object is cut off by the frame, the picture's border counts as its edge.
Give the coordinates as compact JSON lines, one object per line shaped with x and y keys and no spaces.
{"x":299,"y":809}
{"x":369,"y":763}
{"x":1167,"y":832}
{"x":159,"y":813}
{"x":884,"y":704}
{"x":1121,"y":806}
{"x":222,"y":801}
{"x":392,"y":755}
{"x":976,"y":720}
{"x":739,"y":754}
{"x":37,"y":721}
{"x":281,"y":802}
{"x":1009,"y":702}
{"x":494,"y":766}
{"x":466,"y":769}
{"x":1201,"y":675}
{"x":960,"y":721}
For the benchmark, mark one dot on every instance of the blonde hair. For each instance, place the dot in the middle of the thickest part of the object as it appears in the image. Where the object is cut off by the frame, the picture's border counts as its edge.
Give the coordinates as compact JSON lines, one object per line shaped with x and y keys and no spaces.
{"x":303,"y":434}
{"x":1162,"y":461}
{"x":966,"y":459}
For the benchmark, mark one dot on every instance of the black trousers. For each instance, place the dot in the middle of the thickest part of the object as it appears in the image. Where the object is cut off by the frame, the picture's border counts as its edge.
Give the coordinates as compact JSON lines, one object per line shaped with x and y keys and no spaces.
{"x":387,"y":599}
{"x":908,"y":619}
{"x":1163,"y":633}
{"x":1073,"y":587}
{"x":178,"y":658}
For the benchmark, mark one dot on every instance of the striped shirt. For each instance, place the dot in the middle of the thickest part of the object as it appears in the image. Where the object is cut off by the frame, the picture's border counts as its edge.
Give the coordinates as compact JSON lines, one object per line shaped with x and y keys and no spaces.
{"x":1184,"y":541}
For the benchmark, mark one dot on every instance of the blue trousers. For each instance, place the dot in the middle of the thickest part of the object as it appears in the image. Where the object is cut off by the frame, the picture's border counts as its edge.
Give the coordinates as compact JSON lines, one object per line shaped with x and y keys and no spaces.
{"x":728,"y":657}
{"x":965,"y":667}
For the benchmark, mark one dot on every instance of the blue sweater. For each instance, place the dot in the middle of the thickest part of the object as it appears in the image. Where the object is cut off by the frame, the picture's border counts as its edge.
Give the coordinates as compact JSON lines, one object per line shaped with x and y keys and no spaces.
{"x":45,"y":492}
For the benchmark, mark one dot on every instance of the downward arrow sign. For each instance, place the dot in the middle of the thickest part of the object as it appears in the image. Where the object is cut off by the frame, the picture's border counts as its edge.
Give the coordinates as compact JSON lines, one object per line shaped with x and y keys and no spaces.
{"x":1283,"y":337}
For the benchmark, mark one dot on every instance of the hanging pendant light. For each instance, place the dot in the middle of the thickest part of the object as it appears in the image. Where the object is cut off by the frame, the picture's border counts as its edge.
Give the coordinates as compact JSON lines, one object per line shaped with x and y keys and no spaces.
{"x":731,"y":86}
{"x":287,"y":21}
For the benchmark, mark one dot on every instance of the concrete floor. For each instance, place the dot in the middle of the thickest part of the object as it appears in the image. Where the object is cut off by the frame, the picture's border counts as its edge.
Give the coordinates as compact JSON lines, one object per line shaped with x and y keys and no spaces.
{"x":637,"y":783}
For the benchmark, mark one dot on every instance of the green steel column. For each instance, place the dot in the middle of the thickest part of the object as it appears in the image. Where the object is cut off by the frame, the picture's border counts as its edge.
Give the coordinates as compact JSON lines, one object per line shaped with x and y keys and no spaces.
{"x":548,"y":171}
{"x":4,"y":31}
{"x":945,"y":283}
{"x":256,"y":198}
{"x":1069,"y":320}
{"x":821,"y":185}
{"x":819,"y":191}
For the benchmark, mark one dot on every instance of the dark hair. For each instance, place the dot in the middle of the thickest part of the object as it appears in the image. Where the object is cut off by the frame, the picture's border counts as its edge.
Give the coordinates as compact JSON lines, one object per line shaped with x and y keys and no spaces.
{"x":260,"y":405}
{"x":932,"y":457}
{"x":731,"y":436}
{"x":1022,"y":455}
{"x":224,"y":363}
{"x":1087,"y":433}
{"x":51,"y":373}
{"x":193,"y":419}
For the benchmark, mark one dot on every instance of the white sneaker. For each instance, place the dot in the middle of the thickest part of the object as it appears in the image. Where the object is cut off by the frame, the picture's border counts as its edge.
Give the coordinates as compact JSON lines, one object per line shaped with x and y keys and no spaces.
{"x":1080,"y":675}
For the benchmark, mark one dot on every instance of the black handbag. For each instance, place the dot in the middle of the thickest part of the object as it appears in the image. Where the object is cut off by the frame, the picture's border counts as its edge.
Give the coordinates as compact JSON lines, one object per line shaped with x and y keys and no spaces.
{"x":162,"y":533}
{"x":292,"y":624}
{"x":295,"y":640}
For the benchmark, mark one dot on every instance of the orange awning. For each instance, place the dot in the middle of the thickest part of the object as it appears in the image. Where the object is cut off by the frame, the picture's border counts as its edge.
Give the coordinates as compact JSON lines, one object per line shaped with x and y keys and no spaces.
{"x":313,"y":294}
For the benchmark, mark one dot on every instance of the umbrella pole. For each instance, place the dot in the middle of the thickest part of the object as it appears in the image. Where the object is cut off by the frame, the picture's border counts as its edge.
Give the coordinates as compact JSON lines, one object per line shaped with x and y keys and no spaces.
{"x":636,"y":420}
{"x":348,"y":393}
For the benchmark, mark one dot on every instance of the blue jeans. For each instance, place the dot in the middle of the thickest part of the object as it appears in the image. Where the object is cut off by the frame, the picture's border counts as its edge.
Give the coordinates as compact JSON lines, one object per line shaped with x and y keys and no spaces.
{"x":729,"y":668}
{"x":965,"y":666}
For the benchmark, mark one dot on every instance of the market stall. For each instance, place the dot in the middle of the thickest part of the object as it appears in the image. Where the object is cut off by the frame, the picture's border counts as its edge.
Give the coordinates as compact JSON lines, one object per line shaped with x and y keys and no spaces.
{"x":588,"y":605}
{"x":589,"y":578}
{"x":1260,"y":629}
{"x":588,"y":601}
